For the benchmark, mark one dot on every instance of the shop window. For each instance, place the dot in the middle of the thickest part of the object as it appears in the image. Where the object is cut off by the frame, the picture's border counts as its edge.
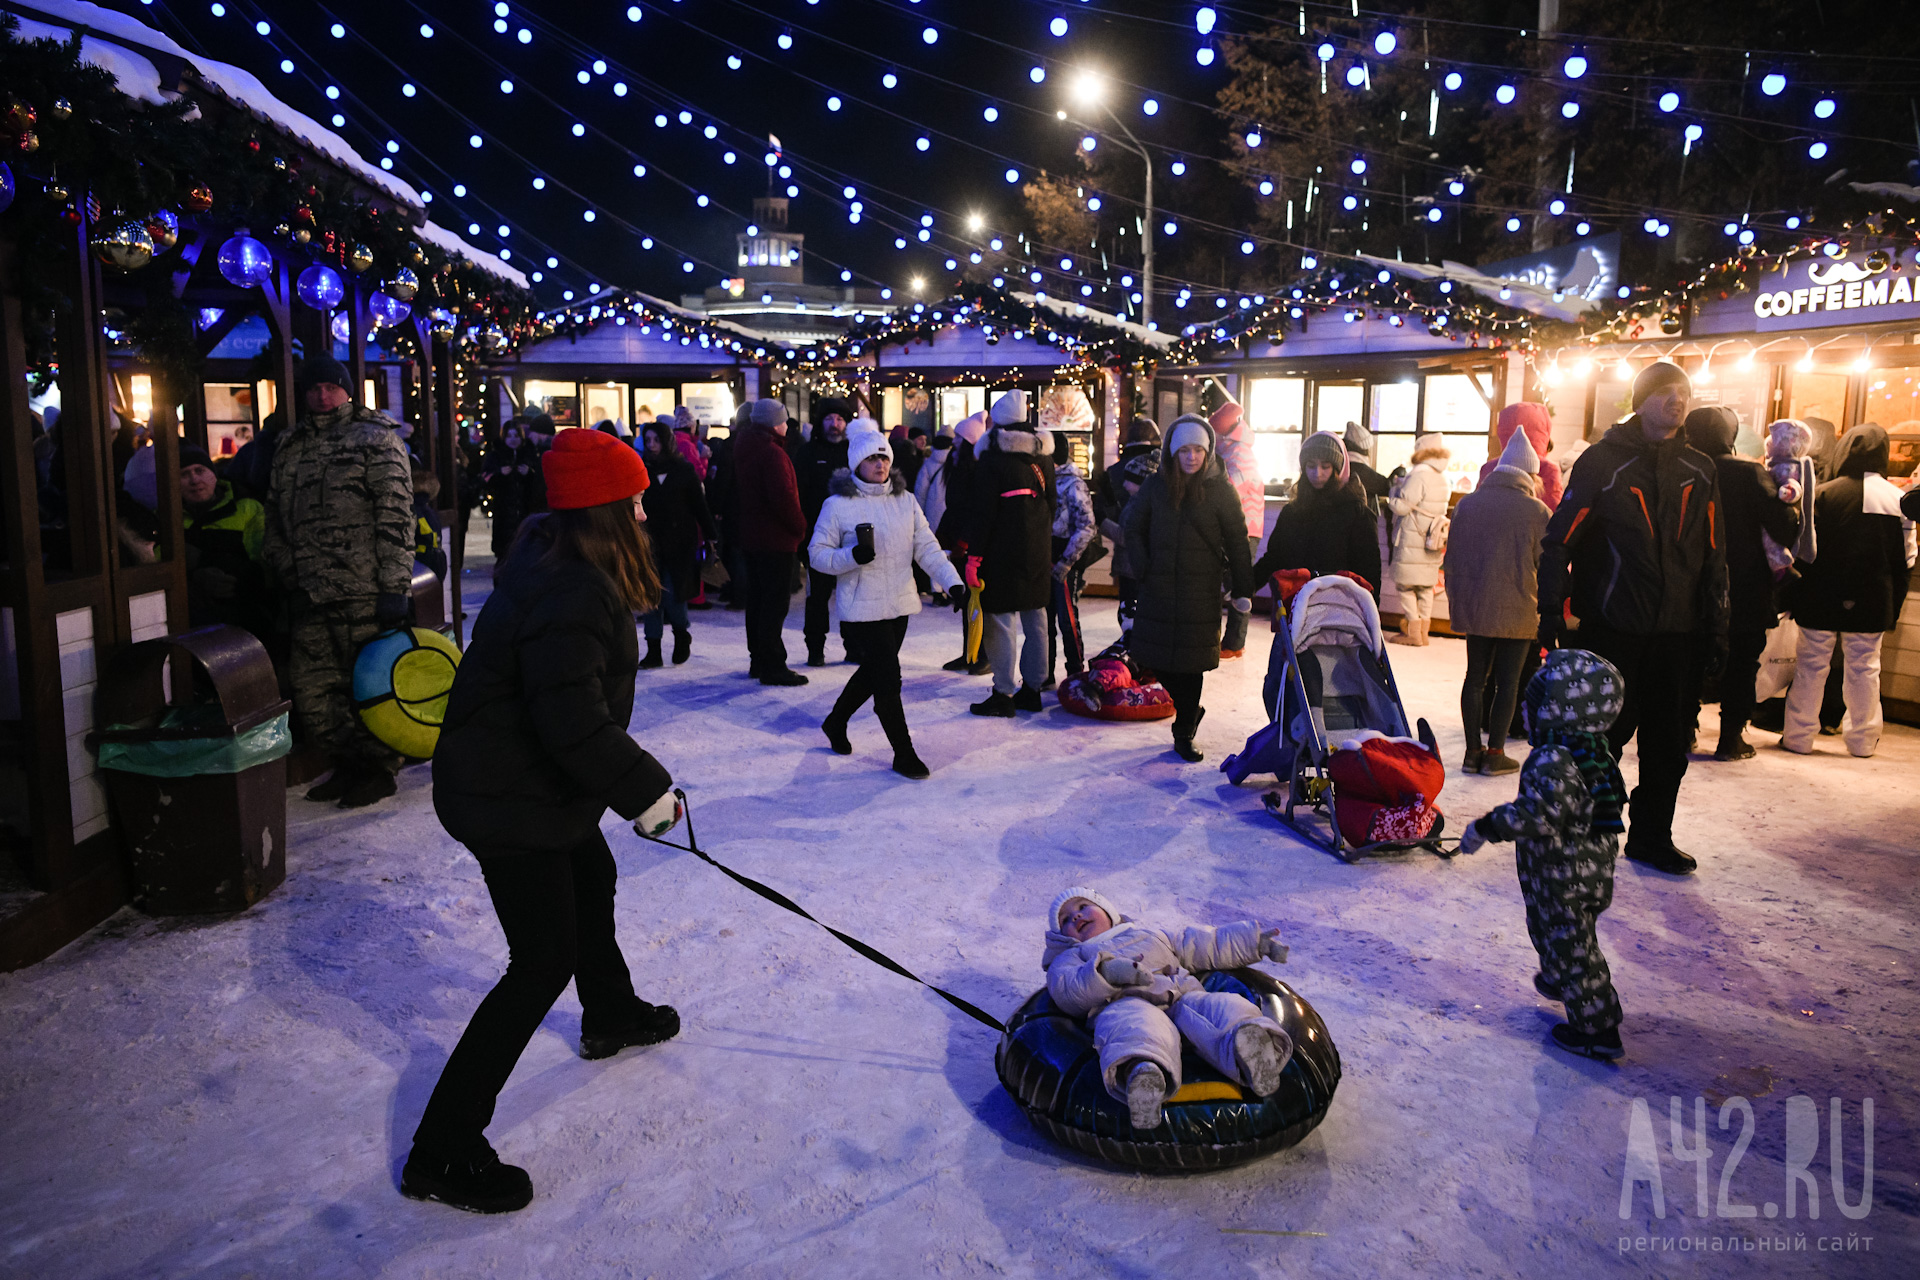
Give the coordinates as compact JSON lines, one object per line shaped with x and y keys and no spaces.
{"x":1748,"y":392}
{"x":916,"y":409}
{"x":1818,"y":395}
{"x":649,"y":403}
{"x":709,"y":402}
{"x":957,"y":404}
{"x":1457,"y":409}
{"x":1612,"y":400}
{"x":603,"y":402}
{"x":558,"y":400}
{"x":1066,"y":408}
{"x":1893,"y":400}
{"x":1338,"y":403}
{"x":1276,"y":410}
{"x":230,"y":420}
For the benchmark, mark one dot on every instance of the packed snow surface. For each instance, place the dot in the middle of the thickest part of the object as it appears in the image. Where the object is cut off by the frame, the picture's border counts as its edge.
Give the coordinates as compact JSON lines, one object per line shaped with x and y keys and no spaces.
{"x":234,"y":1096}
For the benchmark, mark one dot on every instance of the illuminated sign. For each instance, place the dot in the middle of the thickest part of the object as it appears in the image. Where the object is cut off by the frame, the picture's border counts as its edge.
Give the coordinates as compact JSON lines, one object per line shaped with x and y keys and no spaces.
{"x":1813,"y":293}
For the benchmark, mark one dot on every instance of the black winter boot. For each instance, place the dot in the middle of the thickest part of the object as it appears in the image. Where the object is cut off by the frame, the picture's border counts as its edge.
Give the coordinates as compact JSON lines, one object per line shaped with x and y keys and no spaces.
{"x":478,"y":1183}
{"x":1183,"y":738}
{"x":836,"y":731}
{"x":996,"y":704}
{"x":344,"y":775}
{"x":893,"y":718}
{"x":1027,"y":699}
{"x":682,"y":645}
{"x":1604,"y":1045}
{"x":370,"y":786}
{"x":654,"y":1023}
{"x":652,"y":658}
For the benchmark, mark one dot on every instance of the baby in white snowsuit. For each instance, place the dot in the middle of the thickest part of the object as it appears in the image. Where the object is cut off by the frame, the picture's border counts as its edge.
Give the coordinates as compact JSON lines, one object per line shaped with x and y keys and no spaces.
{"x":1136,"y":985}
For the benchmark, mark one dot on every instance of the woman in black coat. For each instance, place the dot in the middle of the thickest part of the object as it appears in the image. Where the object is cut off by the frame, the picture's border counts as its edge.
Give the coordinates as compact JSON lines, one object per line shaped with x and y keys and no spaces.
{"x":1009,"y":509}
{"x":1850,"y":595}
{"x":1328,"y":527}
{"x":507,"y":473}
{"x":533,"y":750}
{"x":1185,"y":530}
{"x":677,"y":519}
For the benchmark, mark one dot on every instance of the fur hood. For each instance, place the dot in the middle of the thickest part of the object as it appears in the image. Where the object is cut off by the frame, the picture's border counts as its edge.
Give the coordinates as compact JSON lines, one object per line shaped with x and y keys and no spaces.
{"x":1019,"y":440}
{"x":843,"y":484}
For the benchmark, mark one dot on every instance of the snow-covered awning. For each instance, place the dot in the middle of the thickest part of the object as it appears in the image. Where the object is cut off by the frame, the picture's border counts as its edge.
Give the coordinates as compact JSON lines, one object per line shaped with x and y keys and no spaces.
{"x":1538,"y":299}
{"x":490,"y":263}
{"x":1092,"y":315}
{"x":132,"y":52}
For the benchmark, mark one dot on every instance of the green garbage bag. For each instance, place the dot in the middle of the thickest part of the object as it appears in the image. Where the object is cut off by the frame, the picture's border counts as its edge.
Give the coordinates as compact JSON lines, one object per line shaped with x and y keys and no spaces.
{"x":183,"y":754}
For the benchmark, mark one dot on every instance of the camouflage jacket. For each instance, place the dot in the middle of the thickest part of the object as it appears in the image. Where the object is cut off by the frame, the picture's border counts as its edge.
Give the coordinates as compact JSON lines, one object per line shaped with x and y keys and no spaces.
{"x":340,"y":510}
{"x":1551,"y":821}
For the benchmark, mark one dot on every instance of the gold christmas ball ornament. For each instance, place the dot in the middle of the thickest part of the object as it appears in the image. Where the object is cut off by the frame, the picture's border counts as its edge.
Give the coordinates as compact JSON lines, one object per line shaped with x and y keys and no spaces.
{"x":20,"y":117}
{"x":199,"y":198}
{"x":279,"y":164}
{"x":1878,"y":261}
{"x":403,"y":285}
{"x":359,"y":258}
{"x":61,"y":109}
{"x":127,"y":246}
{"x":301,"y":235}
{"x":57,"y":193}
{"x":282,"y":230}
{"x":415,"y":255}
{"x":29,"y":142}
{"x":1670,"y":323}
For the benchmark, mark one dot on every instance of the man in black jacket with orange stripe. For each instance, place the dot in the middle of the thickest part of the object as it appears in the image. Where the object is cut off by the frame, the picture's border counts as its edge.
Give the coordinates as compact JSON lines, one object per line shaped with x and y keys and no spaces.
{"x":1637,"y":544}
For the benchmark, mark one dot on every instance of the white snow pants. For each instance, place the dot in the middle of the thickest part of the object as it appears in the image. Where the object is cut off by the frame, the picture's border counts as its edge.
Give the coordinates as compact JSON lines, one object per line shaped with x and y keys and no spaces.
{"x":1130,"y":1029}
{"x":1860,"y":683}
{"x":1005,"y":633}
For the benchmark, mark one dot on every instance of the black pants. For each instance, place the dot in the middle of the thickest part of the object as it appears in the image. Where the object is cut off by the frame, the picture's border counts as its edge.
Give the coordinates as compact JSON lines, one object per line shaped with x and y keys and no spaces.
{"x":1744,"y":648}
{"x":819,"y":596}
{"x":557,"y":912}
{"x":769,"y":579}
{"x":1497,"y":662}
{"x":1063,"y":617}
{"x":876,"y":647}
{"x":1658,"y":705}
{"x":1184,"y":688}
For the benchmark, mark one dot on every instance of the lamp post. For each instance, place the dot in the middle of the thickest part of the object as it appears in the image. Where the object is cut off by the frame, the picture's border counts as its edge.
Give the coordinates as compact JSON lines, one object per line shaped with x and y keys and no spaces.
{"x":1089,"y":90}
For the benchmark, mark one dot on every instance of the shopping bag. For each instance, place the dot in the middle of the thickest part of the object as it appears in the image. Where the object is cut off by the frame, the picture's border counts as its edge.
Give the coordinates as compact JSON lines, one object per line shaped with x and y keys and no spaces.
{"x":1777,"y":661}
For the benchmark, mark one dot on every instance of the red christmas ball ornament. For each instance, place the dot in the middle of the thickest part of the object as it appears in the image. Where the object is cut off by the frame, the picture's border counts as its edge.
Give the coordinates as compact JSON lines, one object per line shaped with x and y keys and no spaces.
{"x":70,"y":216}
{"x":199,"y":198}
{"x":253,"y":145}
{"x":303,"y":217}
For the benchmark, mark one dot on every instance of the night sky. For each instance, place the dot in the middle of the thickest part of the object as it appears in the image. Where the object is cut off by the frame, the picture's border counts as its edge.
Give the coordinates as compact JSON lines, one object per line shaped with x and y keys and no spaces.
{"x":679,"y":57}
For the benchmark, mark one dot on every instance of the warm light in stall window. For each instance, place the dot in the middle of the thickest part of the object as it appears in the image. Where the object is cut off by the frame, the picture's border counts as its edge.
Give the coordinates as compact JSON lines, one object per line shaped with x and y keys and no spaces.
{"x":366,"y":396}
{"x":1551,"y":374}
{"x":142,"y":397}
{"x":1806,"y":363}
{"x":1745,"y":363}
{"x":1623,"y":371}
{"x":1705,"y":375}
{"x":1583,"y":366}
{"x":1864,"y":363}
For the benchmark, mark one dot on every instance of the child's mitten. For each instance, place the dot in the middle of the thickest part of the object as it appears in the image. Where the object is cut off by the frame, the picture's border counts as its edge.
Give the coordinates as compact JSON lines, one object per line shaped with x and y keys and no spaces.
{"x":1271,"y":947}
{"x":661,"y":817}
{"x":1122,"y":972}
{"x":1472,"y":839}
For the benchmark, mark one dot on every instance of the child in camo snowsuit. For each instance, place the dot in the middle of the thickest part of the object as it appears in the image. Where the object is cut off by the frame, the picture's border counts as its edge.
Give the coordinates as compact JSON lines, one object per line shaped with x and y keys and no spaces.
{"x":1566,"y":824}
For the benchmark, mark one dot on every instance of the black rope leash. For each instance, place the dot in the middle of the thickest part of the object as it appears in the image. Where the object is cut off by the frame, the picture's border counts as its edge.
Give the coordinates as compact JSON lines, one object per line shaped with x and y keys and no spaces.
{"x":779,"y":899}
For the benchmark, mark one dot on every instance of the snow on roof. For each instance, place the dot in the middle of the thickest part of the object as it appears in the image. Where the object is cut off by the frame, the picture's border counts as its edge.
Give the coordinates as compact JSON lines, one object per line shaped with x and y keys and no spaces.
{"x":1080,"y":311}
{"x":1538,"y":299}
{"x":120,"y":52}
{"x":487,"y":262}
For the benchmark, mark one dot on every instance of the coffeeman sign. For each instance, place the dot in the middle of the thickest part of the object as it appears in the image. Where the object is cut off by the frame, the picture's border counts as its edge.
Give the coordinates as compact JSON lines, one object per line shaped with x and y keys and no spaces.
{"x":1814,"y":293}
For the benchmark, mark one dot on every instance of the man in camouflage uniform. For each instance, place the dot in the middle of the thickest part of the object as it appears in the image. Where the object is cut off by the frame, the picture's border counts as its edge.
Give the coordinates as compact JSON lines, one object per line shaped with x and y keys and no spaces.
{"x":340,"y":538}
{"x":1565,"y":823}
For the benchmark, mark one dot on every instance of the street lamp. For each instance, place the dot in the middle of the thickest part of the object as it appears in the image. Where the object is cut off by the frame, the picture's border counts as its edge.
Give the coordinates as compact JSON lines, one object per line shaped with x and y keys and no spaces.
{"x":1089,"y":91}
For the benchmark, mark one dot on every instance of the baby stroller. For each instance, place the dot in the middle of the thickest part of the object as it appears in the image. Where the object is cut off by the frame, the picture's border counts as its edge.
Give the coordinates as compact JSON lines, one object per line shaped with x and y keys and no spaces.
{"x":1339,"y":736}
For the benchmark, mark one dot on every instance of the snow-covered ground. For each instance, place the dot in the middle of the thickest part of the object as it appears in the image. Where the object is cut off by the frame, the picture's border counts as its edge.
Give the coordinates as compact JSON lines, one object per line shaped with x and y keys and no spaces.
{"x":234,"y":1096}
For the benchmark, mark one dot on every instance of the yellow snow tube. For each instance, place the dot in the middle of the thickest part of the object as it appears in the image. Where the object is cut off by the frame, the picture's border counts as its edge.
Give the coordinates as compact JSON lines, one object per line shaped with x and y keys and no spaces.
{"x":400,"y":684}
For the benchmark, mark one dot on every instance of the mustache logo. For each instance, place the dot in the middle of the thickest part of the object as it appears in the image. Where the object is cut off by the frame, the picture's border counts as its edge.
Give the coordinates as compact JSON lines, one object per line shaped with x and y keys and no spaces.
{"x":1838,"y":273}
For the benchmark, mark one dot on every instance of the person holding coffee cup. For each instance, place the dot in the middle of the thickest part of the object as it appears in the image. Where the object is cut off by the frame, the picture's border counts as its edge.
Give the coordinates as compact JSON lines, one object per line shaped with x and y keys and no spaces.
{"x":869,"y":536}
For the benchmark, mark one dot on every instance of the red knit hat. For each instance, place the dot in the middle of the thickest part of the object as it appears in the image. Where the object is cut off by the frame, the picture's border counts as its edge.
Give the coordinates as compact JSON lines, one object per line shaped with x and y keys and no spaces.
{"x":1225,"y":419}
{"x":590,"y":469}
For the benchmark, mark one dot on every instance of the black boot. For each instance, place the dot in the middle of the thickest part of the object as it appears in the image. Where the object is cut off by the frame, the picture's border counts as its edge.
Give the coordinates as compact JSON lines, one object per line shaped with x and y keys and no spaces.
{"x":1662,"y":856}
{"x":477,"y":1183}
{"x":959,"y":664}
{"x":344,"y":776}
{"x":1183,"y":732}
{"x":370,"y":786}
{"x":836,"y":730}
{"x":817,"y":655}
{"x":682,"y":645}
{"x":996,"y":704}
{"x":1604,"y":1045}
{"x":654,"y":1023}
{"x":652,"y":658}
{"x":893,"y":718}
{"x":1027,"y":699}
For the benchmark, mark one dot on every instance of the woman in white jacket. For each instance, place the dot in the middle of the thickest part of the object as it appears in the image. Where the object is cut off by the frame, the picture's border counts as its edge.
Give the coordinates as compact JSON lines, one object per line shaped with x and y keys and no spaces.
{"x":870,"y":534}
{"x":1420,"y":502}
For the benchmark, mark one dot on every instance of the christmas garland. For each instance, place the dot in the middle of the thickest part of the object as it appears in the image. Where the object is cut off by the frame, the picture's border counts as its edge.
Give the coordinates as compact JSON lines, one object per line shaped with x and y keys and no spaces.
{"x":145,"y":174}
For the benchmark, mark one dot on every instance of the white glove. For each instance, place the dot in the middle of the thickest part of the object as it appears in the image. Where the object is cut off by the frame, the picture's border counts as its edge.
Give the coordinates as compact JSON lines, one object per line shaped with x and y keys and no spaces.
{"x":1472,"y":839}
{"x":1271,"y":947}
{"x":1061,"y":570}
{"x":1790,"y":493}
{"x":661,"y":817}
{"x":1122,"y":972}
{"x":1243,"y":604}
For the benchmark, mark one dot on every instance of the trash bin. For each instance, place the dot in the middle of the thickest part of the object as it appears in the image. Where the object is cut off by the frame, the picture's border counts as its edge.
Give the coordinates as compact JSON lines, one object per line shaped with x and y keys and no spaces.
{"x":194,"y":759}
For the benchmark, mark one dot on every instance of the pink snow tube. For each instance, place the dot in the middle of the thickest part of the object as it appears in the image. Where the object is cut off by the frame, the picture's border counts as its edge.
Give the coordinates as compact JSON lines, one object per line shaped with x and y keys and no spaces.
{"x":1107,"y":690}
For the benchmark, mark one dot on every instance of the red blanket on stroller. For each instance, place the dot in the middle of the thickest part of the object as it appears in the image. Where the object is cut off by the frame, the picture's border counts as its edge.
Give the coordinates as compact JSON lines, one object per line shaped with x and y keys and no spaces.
{"x":1385,"y":788}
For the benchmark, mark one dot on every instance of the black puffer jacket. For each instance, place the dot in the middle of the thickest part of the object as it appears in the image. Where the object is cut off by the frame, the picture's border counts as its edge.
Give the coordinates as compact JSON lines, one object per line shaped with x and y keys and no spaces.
{"x":1325,"y":531}
{"x":1860,"y":578}
{"x":1011,"y":507}
{"x":814,"y":467}
{"x":1751,"y":505}
{"x":535,"y":746}
{"x":1181,"y":555}
{"x":1638,"y":539}
{"x":677,"y":518}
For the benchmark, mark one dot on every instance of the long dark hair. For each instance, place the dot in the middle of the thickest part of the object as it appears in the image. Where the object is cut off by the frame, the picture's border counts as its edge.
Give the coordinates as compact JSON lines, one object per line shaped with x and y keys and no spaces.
{"x":606,"y":537}
{"x":1181,"y":487}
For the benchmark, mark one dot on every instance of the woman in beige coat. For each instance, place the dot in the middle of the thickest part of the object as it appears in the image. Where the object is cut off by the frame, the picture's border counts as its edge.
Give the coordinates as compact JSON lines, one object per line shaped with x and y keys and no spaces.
{"x":1420,"y":503}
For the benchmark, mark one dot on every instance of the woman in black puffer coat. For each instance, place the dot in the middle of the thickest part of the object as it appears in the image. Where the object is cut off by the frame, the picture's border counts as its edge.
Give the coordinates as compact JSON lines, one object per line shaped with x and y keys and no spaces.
{"x":1328,"y":527}
{"x":677,"y":520}
{"x":533,"y":750}
{"x":1184,"y":531}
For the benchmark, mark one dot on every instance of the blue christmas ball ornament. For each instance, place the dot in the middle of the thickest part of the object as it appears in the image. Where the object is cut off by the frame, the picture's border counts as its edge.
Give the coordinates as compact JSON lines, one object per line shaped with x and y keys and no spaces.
{"x":320,"y":287}
{"x":342,"y":328}
{"x":6,"y":187}
{"x":387,"y":309}
{"x":245,"y":262}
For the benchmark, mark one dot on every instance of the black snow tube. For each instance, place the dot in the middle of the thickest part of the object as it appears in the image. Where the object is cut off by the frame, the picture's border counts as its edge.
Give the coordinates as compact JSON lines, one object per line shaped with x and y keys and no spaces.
{"x":1047,"y":1062}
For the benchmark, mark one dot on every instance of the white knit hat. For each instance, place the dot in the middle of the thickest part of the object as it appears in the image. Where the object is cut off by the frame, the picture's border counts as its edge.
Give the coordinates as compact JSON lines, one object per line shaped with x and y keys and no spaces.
{"x":1094,"y":896}
{"x":1189,"y":428}
{"x":864,"y":439}
{"x":971,"y":428}
{"x":1519,"y":454}
{"x":1431,"y":441}
{"x":1010,"y":410}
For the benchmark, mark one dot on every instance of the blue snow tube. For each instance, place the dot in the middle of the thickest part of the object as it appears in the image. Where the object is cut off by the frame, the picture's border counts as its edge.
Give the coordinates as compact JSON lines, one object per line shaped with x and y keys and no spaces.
{"x":1046,"y":1060}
